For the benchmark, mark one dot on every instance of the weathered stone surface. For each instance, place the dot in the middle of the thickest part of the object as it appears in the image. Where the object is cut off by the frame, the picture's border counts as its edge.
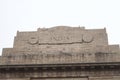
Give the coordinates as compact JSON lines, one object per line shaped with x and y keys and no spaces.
{"x":61,"y":53}
{"x":61,"y":45}
{"x":61,"y":36}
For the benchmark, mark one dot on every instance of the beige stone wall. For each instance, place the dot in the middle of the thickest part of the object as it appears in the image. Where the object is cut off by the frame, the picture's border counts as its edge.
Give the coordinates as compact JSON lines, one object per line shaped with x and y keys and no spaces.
{"x":61,"y":35}
{"x":61,"y":45}
{"x":17,"y":79}
{"x":105,"y":78}
{"x":63,"y":79}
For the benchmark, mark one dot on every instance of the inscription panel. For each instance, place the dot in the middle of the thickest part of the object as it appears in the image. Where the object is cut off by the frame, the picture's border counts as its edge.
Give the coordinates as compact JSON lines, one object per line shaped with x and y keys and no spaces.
{"x":64,"y":38}
{"x":59,"y":35}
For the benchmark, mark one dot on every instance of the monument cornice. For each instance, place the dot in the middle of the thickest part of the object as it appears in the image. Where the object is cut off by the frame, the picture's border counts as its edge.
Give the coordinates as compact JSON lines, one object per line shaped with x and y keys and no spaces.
{"x":101,"y":65}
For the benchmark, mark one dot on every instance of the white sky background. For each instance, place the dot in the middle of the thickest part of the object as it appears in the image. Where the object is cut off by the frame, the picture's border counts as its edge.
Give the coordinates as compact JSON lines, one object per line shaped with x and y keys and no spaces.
{"x":28,"y":15}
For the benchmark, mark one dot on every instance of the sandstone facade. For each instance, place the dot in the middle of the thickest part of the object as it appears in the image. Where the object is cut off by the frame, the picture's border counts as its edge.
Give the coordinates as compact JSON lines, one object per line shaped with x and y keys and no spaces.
{"x":61,"y":53}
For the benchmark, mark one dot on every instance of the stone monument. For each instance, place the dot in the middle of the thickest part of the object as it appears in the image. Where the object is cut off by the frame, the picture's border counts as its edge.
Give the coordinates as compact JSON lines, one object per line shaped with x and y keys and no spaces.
{"x":61,"y":53}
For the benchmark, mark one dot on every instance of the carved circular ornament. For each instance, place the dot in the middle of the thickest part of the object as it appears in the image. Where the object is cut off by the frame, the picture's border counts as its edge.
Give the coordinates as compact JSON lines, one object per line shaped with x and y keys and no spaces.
{"x":87,"y":38}
{"x":33,"y":40}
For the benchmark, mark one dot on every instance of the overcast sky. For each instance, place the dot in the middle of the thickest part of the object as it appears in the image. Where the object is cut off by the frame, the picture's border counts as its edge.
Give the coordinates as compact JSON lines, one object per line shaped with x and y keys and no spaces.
{"x":28,"y":15}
